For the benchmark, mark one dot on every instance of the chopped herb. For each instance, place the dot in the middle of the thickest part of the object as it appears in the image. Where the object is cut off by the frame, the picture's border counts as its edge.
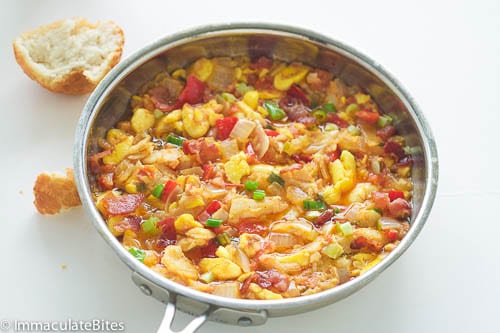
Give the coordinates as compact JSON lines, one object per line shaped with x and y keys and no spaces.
{"x":329,"y":107}
{"x":242,"y":88}
{"x":333,"y":250}
{"x":354,"y":130}
{"x":228,"y":97}
{"x":223,"y":239}
{"x":158,"y":190}
{"x":320,"y":116}
{"x":149,"y":226}
{"x":331,"y":127}
{"x":158,"y":114}
{"x":345,"y":228}
{"x":384,"y":120}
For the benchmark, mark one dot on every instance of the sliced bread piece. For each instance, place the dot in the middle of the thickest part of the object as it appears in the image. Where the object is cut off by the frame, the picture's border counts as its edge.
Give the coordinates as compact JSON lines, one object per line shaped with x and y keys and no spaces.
{"x":69,"y":56}
{"x":54,"y":193}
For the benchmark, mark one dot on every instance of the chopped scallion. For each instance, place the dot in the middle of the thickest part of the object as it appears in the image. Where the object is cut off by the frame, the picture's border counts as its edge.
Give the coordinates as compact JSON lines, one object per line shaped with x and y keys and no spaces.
{"x":331,"y":127}
{"x":354,"y":130}
{"x":314,"y":205}
{"x":251,"y":185}
{"x":223,"y":239}
{"x":259,"y":195}
{"x":333,"y":250}
{"x":157,"y":191}
{"x":320,"y":116}
{"x":228,"y":97}
{"x":176,"y":140}
{"x":149,"y":226}
{"x":345,"y":228}
{"x":137,"y":253}
{"x":213,"y":223}
{"x":384,"y":120}
{"x":158,"y":114}
{"x":242,"y":88}
{"x":329,"y":107}
{"x":351,"y":109}
{"x":274,"y":178}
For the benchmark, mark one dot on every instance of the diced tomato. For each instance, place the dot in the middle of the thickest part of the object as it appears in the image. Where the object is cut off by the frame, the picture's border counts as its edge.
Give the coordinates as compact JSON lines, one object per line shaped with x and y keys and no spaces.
{"x":334,"y":155}
{"x":335,"y":118}
{"x":400,"y":208}
{"x":190,"y":147}
{"x":209,"y":152}
{"x":392,"y":147}
{"x":296,"y":92}
{"x":251,"y":228}
{"x":264,"y":83}
{"x":391,"y":234}
{"x":208,"y":171}
{"x":368,"y":116}
{"x":393,"y":195}
{"x":168,"y":189}
{"x":363,"y":242}
{"x":386,"y":132}
{"x":381,"y":200}
{"x":270,"y":132}
{"x":213,"y":206}
{"x":192,"y":93}
{"x":167,"y":228}
{"x":225,"y":126}
{"x":302,"y":158}
{"x":122,"y":205}
{"x":160,"y":96}
{"x":272,"y":279}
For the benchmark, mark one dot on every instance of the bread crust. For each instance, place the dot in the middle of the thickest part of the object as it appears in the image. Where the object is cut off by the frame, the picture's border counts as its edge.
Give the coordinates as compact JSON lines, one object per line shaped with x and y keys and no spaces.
{"x":54,"y":193}
{"x":75,"y":82}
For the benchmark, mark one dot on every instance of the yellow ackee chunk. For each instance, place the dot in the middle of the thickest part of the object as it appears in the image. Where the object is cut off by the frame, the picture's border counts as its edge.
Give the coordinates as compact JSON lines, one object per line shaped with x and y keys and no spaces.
{"x":362,"y":98}
{"x":251,"y":98}
{"x":195,"y":121}
{"x":221,"y":268}
{"x":196,"y":201}
{"x":236,"y":168}
{"x":185,"y":222}
{"x":262,"y":293}
{"x":119,"y":152}
{"x":150,"y":258}
{"x":180,"y":73}
{"x":142,"y":120}
{"x":115,"y":135}
{"x":343,"y":173}
{"x":202,"y":69}
{"x":301,"y":258}
{"x":167,"y":123}
{"x":273,"y":94}
{"x":291,"y":74}
{"x":361,"y":192}
{"x":371,"y":264}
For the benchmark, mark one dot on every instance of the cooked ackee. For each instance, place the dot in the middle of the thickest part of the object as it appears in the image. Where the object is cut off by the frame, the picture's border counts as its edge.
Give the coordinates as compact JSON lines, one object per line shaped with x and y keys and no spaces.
{"x":254,"y":179}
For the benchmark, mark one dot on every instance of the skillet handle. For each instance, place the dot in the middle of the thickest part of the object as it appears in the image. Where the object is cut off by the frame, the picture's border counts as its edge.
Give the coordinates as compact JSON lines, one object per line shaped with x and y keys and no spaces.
{"x":166,"y":324}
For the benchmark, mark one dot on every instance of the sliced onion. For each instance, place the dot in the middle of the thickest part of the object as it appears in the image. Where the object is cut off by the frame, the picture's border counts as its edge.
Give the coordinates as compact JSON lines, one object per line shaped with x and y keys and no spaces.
{"x":282,"y":240}
{"x":260,"y":141}
{"x":242,"y":129}
{"x":241,"y":258}
{"x":229,"y":148}
{"x":227,"y":289}
{"x":386,"y":222}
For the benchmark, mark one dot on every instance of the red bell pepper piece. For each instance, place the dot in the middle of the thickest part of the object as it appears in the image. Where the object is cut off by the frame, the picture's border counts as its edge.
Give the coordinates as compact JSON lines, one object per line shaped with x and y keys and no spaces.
{"x":168,"y":228}
{"x":393,"y":195}
{"x":270,"y":132}
{"x":368,"y":116}
{"x":208,"y":171}
{"x":334,"y":155}
{"x":225,"y":126}
{"x":169,"y":187}
{"x":391,"y":234}
{"x":213,"y":206}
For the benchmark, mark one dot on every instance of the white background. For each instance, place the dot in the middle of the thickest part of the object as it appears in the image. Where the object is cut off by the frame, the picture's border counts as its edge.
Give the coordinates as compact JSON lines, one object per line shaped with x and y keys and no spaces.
{"x":446,"y":53}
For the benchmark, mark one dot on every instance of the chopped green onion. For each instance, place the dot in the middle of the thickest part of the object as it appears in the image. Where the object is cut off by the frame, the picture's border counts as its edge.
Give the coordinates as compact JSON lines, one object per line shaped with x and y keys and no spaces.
{"x":158,"y":190}
{"x":137,"y":253}
{"x":354,"y":130}
{"x":411,"y":150}
{"x":274,"y":178}
{"x":345,"y":228}
{"x":223,"y":239}
{"x":242,"y":88}
{"x":259,"y":195}
{"x":149,"y":226}
{"x":207,"y":277}
{"x":351,"y":109}
{"x":158,"y":114}
{"x":378,"y":210}
{"x":384,"y":120}
{"x":331,"y":127}
{"x":176,"y":140}
{"x":251,"y":185}
{"x":330,"y":107}
{"x":320,"y":116}
{"x":228,"y":97}
{"x":336,"y":210}
{"x":141,"y":187}
{"x":314,"y":205}
{"x":274,"y":111}
{"x":213,"y":223}
{"x":333,"y":250}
